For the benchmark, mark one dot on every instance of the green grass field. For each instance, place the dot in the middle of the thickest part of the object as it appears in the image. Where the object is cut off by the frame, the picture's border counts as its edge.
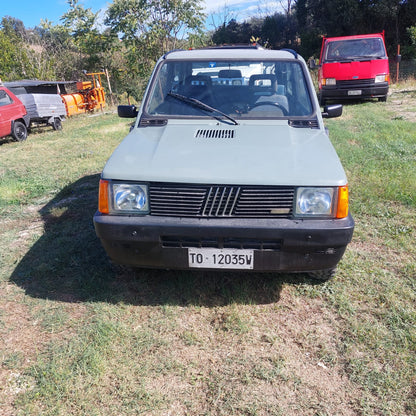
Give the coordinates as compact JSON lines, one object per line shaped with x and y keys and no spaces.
{"x":80,"y":336}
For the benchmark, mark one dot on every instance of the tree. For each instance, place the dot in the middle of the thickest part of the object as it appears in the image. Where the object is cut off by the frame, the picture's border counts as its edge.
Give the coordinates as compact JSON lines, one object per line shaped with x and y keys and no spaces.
{"x":56,"y":40}
{"x":279,"y":31}
{"x":162,"y":24}
{"x":93,"y":45}
{"x":222,"y":16}
{"x":8,"y":58}
{"x":149,"y":28}
{"x":13,"y":28}
{"x":318,"y":18}
{"x":412,"y":35}
{"x":15,"y":62}
{"x":234,"y":33}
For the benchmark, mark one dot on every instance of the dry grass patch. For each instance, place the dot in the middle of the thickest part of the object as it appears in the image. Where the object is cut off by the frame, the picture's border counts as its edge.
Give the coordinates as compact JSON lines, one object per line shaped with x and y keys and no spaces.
{"x":79,"y":336}
{"x":279,"y":358}
{"x":402,"y":100}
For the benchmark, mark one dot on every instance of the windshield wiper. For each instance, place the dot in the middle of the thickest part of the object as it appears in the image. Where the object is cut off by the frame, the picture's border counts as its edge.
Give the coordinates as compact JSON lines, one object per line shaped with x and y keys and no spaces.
{"x":340,"y":60}
{"x":370,"y":57}
{"x":200,"y":105}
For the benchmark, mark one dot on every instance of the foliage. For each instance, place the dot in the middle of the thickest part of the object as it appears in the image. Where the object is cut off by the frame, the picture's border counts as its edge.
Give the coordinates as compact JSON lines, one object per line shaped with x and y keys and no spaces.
{"x":33,"y":53}
{"x":304,"y":22}
{"x":274,"y":31}
{"x":279,"y":31}
{"x":348,"y":17}
{"x":14,"y":62}
{"x":130,"y":35}
{"x":81,"y":42}
{"x":8,"y":59}
{"x":412,"y":34}
{"x":57,"y":41}
{"x":92,"y":44}
{"x":162,"y":23}
{"x":149,"y":29}
{"x":233,"y":33}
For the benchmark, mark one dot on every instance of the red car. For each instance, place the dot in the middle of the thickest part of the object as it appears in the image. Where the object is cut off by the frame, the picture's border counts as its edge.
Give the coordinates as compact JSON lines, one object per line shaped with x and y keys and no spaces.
{"x":14,"y":120}
{"x":353,"y":67}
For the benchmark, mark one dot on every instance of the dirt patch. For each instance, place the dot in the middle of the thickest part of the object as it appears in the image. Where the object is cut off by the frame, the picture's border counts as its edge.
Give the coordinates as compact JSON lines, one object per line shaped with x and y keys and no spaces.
{"x":23,"y":336}
{"x":402,"y":101}
{"x":20,"y":342}
{"x":280,"y":358}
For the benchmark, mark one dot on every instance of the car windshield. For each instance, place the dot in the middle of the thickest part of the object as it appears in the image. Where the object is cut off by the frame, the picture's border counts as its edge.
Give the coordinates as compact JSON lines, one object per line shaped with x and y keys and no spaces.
{"x":239,"y":89}
{"x":355,"y":49}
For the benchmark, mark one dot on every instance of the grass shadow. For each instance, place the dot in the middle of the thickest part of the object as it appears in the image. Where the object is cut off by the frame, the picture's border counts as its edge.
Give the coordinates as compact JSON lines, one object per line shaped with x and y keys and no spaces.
{"x":7,"y":140}
{"x":69,"y":264}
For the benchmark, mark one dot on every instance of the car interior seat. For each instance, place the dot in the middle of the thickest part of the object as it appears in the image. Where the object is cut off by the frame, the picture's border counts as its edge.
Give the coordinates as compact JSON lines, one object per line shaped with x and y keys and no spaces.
{"x":200,"y":88}
{"x":264,"y":88}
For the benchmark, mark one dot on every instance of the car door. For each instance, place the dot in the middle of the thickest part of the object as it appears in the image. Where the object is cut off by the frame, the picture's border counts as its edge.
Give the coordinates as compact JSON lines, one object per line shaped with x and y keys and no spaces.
{"x":7,"y":110}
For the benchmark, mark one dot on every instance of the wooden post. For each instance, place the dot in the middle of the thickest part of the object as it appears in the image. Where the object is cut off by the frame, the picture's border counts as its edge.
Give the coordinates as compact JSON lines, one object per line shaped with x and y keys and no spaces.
{"x":109,"y":87}
{"x":397,"y":64}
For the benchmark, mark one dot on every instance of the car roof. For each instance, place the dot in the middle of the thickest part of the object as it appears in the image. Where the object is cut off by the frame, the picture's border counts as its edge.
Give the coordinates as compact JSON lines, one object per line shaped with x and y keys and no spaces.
{"x":232,"y":52}
{"x":353,"y":37}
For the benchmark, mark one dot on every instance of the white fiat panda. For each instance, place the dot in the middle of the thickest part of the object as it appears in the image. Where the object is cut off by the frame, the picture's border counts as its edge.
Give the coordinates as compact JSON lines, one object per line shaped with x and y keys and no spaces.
{"x":228,"y":166}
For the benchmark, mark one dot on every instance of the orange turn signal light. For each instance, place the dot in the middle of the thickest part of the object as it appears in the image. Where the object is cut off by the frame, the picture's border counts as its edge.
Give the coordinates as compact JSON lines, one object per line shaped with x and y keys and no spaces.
{"x":342,"y":209}
{"x":103,"y":205}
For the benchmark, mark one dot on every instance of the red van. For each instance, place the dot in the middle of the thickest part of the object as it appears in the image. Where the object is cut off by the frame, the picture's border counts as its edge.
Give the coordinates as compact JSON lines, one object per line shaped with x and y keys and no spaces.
{"x":353,"y":67}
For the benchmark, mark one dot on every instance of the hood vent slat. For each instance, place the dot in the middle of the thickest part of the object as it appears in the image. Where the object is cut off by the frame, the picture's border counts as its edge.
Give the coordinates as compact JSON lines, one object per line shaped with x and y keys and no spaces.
{"x":214,"y":134}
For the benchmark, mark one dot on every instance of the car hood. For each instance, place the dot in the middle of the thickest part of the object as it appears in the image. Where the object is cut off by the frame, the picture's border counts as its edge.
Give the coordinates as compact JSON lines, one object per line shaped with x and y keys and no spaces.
{"x":355,"y":70}
{"x":251,"y":153}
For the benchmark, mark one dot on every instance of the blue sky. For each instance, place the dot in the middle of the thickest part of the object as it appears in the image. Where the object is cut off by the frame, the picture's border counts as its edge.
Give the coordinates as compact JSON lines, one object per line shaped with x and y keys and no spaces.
{"x":30,"y":12}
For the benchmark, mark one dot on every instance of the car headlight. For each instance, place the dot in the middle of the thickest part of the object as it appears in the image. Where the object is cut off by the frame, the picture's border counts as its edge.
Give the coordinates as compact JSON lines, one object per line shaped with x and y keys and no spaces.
{"x":130,"y":198}
{"x":381,"y":78}
{"x":315,"y":202}
{"x":123,"y":198}
{"x":329,"y":81}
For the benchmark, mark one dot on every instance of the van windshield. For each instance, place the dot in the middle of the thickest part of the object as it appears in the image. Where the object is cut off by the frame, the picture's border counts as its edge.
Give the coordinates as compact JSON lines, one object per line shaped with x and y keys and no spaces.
{"x":240,"y":89}
{"x":355,"y":49}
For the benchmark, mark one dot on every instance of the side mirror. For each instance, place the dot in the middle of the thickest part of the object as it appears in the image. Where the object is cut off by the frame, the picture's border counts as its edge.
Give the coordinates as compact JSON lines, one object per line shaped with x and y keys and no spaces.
{"x":331,"y":111}
{"x":312,"y":63}
{"x":127,"y":111}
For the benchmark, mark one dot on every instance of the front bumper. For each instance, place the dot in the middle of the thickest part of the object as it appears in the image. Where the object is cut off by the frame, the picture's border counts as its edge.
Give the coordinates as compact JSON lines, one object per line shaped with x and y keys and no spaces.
{"x":278,"y":244}
{"x":354,"y":91}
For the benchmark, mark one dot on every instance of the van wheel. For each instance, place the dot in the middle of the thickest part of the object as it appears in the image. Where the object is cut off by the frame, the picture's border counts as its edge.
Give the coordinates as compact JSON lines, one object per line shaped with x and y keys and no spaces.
{"x":382,"y":99}
{"x":323,"y":275}
{"x":19,"y":131}
{"x":57,"y":124}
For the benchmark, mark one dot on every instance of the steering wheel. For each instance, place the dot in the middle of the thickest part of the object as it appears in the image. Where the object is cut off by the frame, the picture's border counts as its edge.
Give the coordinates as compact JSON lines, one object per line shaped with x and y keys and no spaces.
{"x":274,"y":104}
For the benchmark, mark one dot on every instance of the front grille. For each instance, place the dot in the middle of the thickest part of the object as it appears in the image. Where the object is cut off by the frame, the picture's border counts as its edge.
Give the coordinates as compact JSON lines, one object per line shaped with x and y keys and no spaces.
{"x":233,"y":243}
{"x":355,"y":83}
{"x":221,"y":201}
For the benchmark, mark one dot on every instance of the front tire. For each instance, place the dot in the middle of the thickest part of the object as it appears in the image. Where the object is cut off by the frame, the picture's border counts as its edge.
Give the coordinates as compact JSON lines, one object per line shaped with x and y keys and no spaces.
{"x":19,"y":131}
{"x":323,"y":275}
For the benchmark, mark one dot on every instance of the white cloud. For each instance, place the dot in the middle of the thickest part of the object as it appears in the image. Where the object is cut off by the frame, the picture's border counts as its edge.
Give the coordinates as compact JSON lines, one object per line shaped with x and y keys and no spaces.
{"x":242,"y":9}
{"x":243,"y":5}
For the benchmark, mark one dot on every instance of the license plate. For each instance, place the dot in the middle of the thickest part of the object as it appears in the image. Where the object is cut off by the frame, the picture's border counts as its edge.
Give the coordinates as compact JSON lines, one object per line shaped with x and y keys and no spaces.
{"x":214,"y":258}
{"x":354,"y":92}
